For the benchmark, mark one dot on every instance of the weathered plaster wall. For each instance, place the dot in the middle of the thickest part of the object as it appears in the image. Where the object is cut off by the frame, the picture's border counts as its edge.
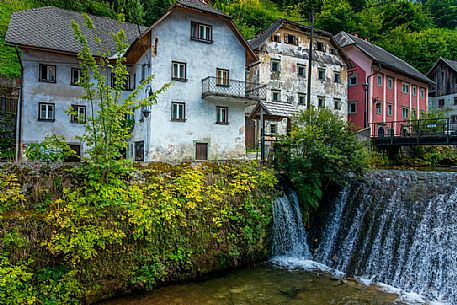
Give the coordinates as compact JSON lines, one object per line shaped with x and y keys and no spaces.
{"x":174,"y":141}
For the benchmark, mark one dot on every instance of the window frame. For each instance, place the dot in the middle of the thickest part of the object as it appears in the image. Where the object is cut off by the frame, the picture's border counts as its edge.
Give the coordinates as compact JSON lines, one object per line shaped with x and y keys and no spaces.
{"x":390,"y":83}
{"x":175,"y":78}
{"x":350,"y":78}
{"x":441,"y":103}
{"x":278,"y":63}
{"x":226,"y":81}
{"x":389,"y":109}
{"x":222,"y":122}
{"x":196,"y":25}
{"x":319,"y":99}
{"x":319,"y":71}
{"x":403,"y":86}
{"x":74,"y":119}
{"x":337,"y":101}
{"x":301,"y":95}
{"x":126,"y":84}
{"x":275,"y":131}
{"x":422,"y":92}
{"x":178,"y":119}
{"x":47,"y":111}
{"x":378,"y":107}
{"x":46,"y":80}
{"x":379,"y":80}
{"x":301,"y":66}
{"x":278,"y":92}
{"x":349,"y":107}
{"x":336,"y":79}
{"x":72,"y":81}
{"x":403,"y":112}
{"x":320,"y":46}
{"x":414,"y":90}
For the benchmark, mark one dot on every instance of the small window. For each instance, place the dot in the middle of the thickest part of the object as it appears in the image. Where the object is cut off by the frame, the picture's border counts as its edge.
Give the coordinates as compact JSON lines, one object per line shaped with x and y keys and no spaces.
{"x":139,"y":150}
{"x":353,"y":80}
{"x":422,"y":93}
{"x":440,"y":103}
{"x":75,"y":76}
{"x":276,"y":95}
{"x":276,"y":38}
{"x":337,"y":77}
{"x":275,"y":65}
{"x":46,"y":112}
{"x":301,"y":71}
{"x":178,"y":71}
{"x":455,"y":100}
{"x":414,"y":90}
{"x":405,"y":112}
{"x":78,"y":115}
{"x":405,"y":88}
{"x":301,"y":99}
{"x":321,"y":102}
{"x":273,"y":128}
{"x":389,"y":109}
{"x":201,"y":151}
{"x":414,"y":114}
{"x":321,"y":74}
{"x":352,"y":107}
{"x":143,"y":72}
{"x":222,"y":77}
{"x":291,"y":39}
{"x":337,"y":103}
{"x":202,"y":32}
{"x":126,"y":84}
{"x":379,"y":108}
{"x":47,"y":73}
{"x":390,"y":83}
{"x":379,"y":80}
{"x":320,"y":46}
{"x":222,"y":115}
{"x":178,"y":112}
{"x":453,"y":119}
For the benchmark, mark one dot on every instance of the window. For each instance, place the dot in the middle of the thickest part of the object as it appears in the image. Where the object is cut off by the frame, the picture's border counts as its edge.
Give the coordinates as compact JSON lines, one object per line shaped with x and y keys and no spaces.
{"x":404,"y":112}
{"x":46,"y":112}
{"x":276,"y":95}
{"x":75,"y":76}
{"x":276,"y":38}
{"x":390,"y":83}
{"x":414,"y":90}
{"x":453,"y":119}
{"x":379,"y":80}
{"x":321,"y":102}
{"x":139,"y":150}
{"x":321,"y":74}
{"x":202,"y":32}
{"x":455,"y":100}
{"x":78,"y":115}
{"x":301,"y":71}
{"x":222,"y":77}
{"x":441,"y":103}
{"x":126,"y":84}
{"x":143,"y":72}
{"x":413,"y":114}
{"x":320,"y":46}
{"x":222,"y":115}
{"x":353,"y":80}
{"x":275,"y":65}
{"x":178,"y":112}
{"x":178,"y":71}
{"x":47,"y":73}
{"x":301,"y":99}
{"x":405,"y":88}
{"x":291,"y":39}
{"x":379,"y":108}
{"x":201,"y":151}
{"x":352,"y":107}
{"x":337,"y":103}
{"x":273,"y":128}
{"x":337,"y":77}
{"x":422,"y":93}
{"x":389,"y":109}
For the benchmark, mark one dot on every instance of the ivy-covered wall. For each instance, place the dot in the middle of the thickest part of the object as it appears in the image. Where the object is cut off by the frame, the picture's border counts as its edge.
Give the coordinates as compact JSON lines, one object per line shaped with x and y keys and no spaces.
{"x":65,"y":239}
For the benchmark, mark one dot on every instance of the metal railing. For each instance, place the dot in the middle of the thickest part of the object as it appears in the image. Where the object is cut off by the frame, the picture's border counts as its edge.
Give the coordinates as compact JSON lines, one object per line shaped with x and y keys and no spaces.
{"x":233,"y":88}
{"x":414,"y":128}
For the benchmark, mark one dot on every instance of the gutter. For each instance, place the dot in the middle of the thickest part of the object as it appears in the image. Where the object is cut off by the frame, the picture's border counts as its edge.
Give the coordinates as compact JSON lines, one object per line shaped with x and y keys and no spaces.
{"x":19,"y":117}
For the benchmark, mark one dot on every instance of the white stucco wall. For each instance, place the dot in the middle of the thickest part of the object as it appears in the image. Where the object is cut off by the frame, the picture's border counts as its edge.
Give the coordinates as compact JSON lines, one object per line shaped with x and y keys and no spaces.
{"x":175,"y":141}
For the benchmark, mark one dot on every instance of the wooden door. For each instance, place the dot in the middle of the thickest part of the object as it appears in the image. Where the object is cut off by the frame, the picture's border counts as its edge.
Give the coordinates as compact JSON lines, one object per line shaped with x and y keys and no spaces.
{"x":139,"y":151}
{"x":250,"y":133}
{"x":201,"y":151}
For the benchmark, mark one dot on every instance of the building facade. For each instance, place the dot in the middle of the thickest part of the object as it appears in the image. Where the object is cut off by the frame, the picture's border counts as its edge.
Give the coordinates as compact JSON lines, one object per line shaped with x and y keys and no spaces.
{"x":194,"y":46}
{"x":443,"y":94}
{"x":381,"y":87}
{"x":283,"y":66}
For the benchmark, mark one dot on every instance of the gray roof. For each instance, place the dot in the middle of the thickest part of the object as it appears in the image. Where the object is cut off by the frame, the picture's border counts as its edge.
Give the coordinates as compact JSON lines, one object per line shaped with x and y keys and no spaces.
{"x":262,"y":37}
{"x":278,"y":109}
{"x":451,"y":63}
{"x":50,"y":28}
{"x":200,"y":5}
{"x":380,"y":55}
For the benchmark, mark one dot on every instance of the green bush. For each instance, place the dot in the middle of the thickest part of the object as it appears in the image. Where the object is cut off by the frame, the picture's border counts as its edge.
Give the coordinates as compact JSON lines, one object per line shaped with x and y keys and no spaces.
{"x":52,"y":148}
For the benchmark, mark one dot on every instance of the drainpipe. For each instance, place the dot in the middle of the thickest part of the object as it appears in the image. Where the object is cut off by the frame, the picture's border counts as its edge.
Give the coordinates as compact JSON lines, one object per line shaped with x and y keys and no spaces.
{"x":366,"y":86}
{"x":19,"y":113}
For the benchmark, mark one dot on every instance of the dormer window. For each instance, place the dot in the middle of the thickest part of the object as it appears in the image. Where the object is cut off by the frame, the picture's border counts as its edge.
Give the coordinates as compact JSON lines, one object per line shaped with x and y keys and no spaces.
{"x":201,"y":32}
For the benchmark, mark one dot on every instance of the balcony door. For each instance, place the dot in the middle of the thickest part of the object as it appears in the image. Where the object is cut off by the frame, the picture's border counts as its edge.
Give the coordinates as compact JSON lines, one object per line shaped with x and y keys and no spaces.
{"x":222,"y":77}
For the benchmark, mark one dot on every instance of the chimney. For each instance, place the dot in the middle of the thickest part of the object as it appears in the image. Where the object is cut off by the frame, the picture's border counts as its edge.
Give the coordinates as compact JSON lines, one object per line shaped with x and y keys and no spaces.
{"x":366,"y":39}
{"x":355,"y":34}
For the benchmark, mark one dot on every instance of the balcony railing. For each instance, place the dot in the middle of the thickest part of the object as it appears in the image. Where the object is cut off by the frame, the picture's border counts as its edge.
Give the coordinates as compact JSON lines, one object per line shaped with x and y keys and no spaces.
{"x":212,"y":86}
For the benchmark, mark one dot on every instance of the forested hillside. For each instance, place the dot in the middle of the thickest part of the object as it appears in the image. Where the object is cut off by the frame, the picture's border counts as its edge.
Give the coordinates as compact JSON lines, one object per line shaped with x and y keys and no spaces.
{"x":418,"y":31}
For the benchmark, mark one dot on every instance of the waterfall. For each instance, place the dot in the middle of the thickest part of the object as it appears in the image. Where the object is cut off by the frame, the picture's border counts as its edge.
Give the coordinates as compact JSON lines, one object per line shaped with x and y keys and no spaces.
{"x":289,"y":236}
{"x":397,"y":228}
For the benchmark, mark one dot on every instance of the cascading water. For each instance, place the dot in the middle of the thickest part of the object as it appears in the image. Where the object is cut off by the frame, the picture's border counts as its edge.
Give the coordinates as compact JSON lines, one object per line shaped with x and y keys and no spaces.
{"x":396,"y":227}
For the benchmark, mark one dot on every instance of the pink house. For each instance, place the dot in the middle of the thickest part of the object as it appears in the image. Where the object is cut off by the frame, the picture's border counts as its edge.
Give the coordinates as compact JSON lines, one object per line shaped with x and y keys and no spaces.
{"x":382,"y":88}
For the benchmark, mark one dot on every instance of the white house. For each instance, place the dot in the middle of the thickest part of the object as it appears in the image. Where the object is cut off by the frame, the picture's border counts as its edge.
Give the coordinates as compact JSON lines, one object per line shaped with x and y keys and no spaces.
{"x":194,"y":46}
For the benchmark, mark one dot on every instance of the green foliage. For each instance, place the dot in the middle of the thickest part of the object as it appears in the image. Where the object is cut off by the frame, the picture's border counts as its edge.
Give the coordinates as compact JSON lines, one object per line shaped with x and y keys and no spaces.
{"x":320,"y":150}
{"x":335,"y":16}
{"x":443,"y":12}
{"x":52,"y":148}
{"x":163,"y":223}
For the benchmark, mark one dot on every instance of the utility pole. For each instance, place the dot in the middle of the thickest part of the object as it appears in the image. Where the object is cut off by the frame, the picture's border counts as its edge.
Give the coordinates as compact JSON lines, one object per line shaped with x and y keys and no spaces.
{"x":310,"y":61}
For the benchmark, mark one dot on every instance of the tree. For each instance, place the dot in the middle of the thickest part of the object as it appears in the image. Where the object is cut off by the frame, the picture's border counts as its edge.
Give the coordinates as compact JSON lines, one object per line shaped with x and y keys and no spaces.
{"x":154,"y":9}
{"x":443,"y":12}
{"x":320,"y":150}
{"x":106,"y":133}
{"x":336,"y":16}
